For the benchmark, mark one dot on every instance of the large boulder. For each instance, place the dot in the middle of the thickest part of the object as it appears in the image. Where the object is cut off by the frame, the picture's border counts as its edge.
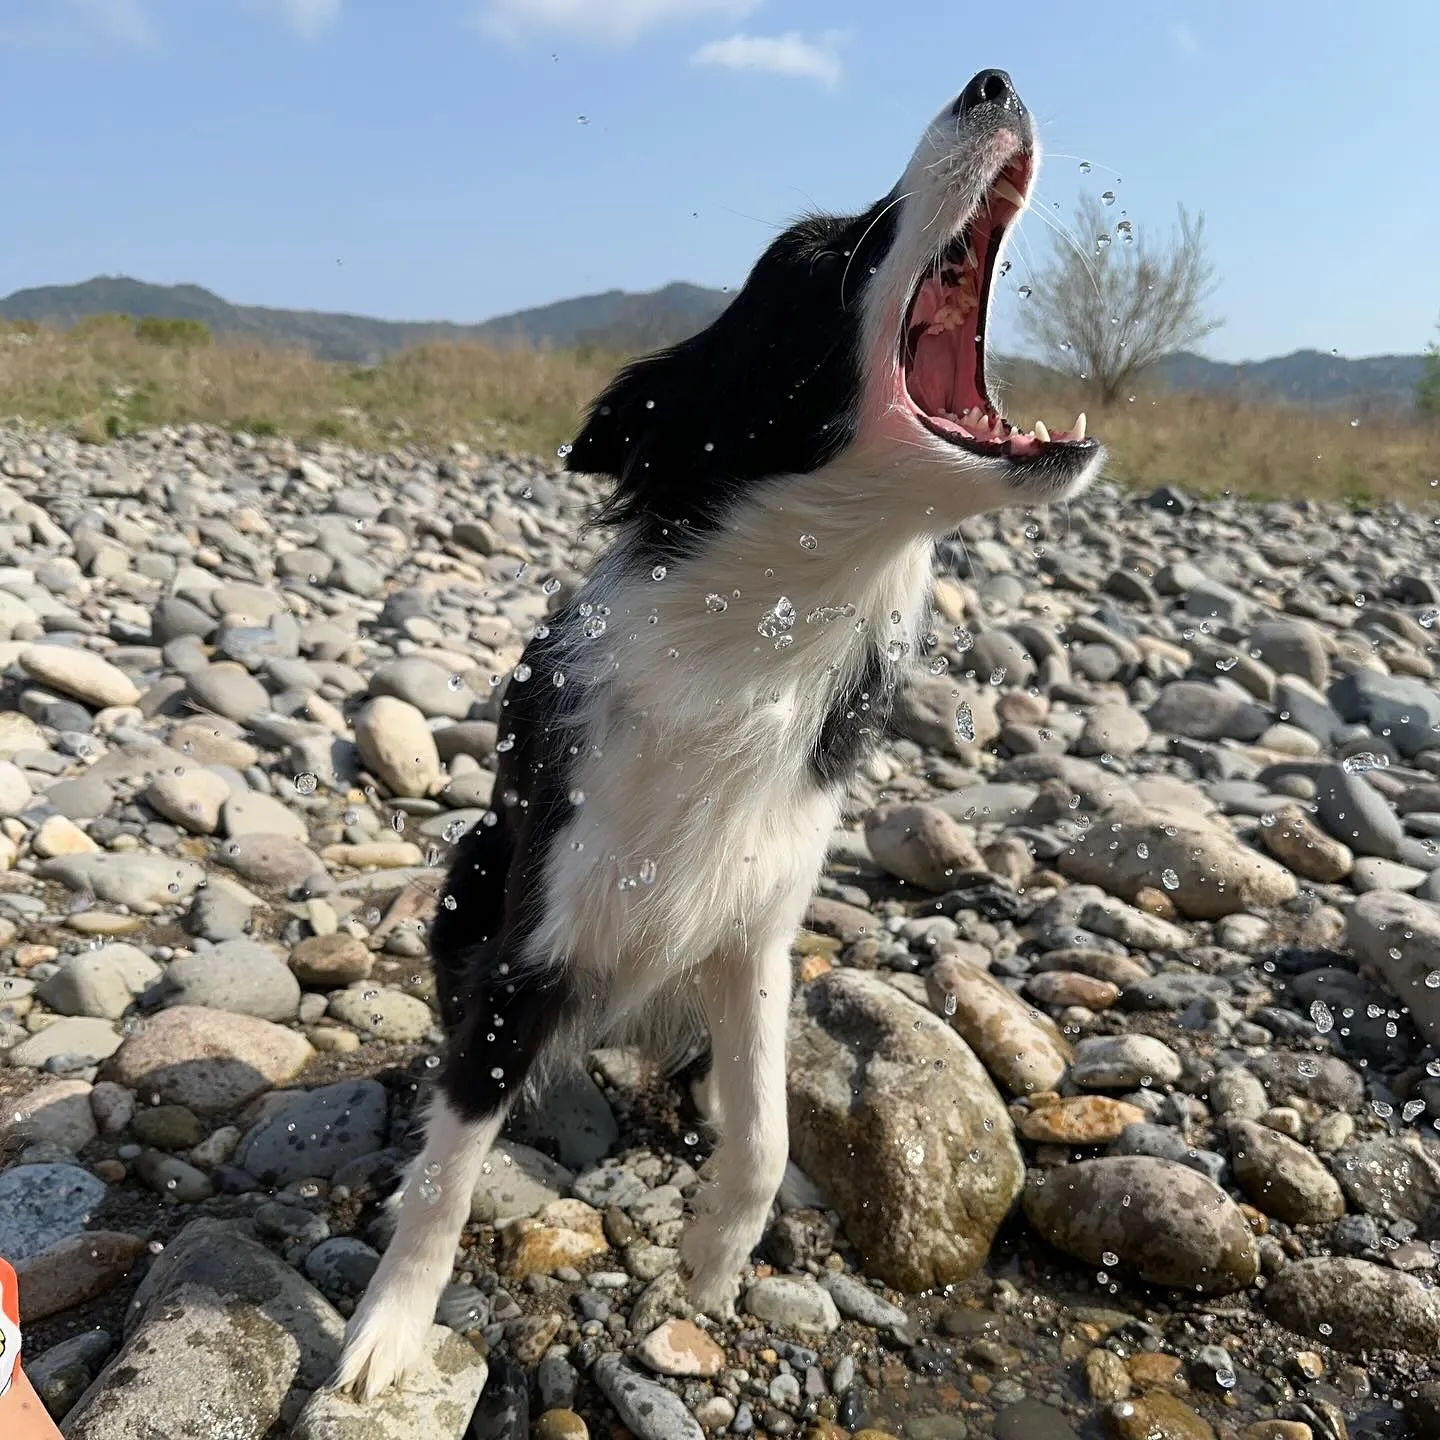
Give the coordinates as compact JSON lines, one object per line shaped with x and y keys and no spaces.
{"x":898,"y":1123}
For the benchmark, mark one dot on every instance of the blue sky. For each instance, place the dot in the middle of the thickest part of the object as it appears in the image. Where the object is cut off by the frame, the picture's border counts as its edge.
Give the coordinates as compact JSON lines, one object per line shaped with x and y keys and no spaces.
{"x":425,"y":159}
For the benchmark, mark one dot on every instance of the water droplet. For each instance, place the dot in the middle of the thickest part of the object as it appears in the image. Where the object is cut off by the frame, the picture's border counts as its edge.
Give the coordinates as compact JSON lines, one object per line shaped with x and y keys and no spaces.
{"x":659,"y":573}
{"x":808,"y":542}
{"x":1085,"y":167}
{"x":1107,"y":197}
{"x":1432,"y":980}
{"x":551,"y":586}
{"x":963,"y":639}
{"x":522,"y":672}
{"x":965,"y":722}
{"x":1024,"y":292}
{"x":1169,"y":879}
{"x":1411,"y":1110}
{"x":307,"y":783}
{"x":777,"y":620}
{"x":564,"y":450}
{"x":716,"y":603}
{"x":1109,"y":1259}
{"x":1320,"y":1014}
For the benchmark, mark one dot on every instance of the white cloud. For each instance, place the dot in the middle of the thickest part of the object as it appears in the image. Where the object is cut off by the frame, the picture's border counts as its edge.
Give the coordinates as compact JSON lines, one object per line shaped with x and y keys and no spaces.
{"x":789,"y":54}
{"x":307,"y":18}
{"x":612,"y":22}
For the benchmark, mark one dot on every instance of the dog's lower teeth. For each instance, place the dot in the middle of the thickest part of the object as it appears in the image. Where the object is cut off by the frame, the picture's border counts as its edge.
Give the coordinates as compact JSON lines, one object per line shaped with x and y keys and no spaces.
{"x":1079,"y":431}
{"x":1041,"y":433}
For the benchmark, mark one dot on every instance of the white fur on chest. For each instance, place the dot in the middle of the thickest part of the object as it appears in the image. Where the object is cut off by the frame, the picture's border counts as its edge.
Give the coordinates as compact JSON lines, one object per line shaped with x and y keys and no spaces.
{"x":700,"y":825}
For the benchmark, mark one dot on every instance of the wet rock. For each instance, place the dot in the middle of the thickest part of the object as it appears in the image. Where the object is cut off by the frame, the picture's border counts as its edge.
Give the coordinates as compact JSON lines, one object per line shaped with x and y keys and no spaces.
{"x":920,"y":845}
{"x":1163,"y":1222}
{"x":1207,"y":874}
{"x":919,"y":1160}
{"x":316,"y":1133}
{"x":1281,"y":1177}
{"x":1018,"y":1045}
{"x":1354,"y":1305}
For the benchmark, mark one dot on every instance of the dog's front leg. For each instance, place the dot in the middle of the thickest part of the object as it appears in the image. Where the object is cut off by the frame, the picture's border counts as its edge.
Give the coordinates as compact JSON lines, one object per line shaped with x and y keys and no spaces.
{"x":747,"y":1005}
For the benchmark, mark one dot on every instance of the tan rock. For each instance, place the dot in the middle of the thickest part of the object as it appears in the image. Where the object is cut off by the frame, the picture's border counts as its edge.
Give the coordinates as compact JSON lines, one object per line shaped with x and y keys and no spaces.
{"x":210,"y":1060}
{"x":894,"y":1118}
{"x":1297,"y":842}
{"x":530,"y":1247}
{"x":398,"y":746}
{"x":330,"y":961}
{"x":1106,"y":1376}
{"x":1205,"y":872}
{"x":77,"y":1270}
{"x":1070,"y":987}
{"x":1080,"y":1120}
{"x":61,"y":836}
{"x":920,"y":844}
{"x":680,"y":1348}
{"x":1018,"y":1045}
{"x":1152,"y":1370}
{"x":81,"y":674}
{"x":1155,"y":1417}
{"x":375,"y":854}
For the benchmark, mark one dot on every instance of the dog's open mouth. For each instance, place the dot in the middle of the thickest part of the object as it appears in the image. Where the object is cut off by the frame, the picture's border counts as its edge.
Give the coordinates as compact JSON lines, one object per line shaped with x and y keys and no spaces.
{"x":942,"y":358}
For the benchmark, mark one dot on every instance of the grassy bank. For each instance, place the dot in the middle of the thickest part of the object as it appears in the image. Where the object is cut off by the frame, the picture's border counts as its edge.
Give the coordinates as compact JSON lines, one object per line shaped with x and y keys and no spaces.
{"x":112,"y":376}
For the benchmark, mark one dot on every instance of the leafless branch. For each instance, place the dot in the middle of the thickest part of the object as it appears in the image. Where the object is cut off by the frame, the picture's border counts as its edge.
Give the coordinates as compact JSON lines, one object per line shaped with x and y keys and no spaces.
{"x":1109,"y":308}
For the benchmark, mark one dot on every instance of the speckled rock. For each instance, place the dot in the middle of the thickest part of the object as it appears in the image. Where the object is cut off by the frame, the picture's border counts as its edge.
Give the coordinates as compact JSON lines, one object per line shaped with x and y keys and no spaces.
{"x":919,"y":1159}
{"x":1162,"y":1221}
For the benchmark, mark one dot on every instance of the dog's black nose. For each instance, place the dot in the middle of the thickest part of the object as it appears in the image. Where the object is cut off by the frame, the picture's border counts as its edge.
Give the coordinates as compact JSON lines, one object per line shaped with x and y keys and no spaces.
{"x":989,"y":87}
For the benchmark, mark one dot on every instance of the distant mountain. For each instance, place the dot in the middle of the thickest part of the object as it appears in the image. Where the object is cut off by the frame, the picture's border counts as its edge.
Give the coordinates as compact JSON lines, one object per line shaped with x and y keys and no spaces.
{"x":614,"y":320}
{"x":623,"y":321}
{"x":1308,"y":377}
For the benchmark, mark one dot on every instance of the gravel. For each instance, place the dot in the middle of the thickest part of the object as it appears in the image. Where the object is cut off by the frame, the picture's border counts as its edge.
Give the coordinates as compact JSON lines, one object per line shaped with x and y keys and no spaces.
{"x":1155,"y":935}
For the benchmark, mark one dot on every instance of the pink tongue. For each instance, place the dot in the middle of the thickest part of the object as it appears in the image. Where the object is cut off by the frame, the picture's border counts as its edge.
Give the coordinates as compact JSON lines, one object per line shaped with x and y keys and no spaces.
{"x":933,"y":374}
{"x":940,"y":376}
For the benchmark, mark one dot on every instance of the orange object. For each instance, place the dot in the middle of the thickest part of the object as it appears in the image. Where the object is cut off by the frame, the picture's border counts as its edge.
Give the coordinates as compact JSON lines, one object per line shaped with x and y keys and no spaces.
{"x":22,"y":1416}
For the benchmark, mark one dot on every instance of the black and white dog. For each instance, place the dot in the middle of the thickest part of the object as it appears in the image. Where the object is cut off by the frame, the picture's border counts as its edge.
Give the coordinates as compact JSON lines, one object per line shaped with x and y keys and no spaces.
{"x":677,"y":742}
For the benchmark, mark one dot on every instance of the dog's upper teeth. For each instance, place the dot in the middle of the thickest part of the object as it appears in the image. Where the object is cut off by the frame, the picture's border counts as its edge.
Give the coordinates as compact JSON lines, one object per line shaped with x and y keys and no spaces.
{"x":1041,"y":433}
{"x":1079,"y":431}
{"x":1006,"y":191}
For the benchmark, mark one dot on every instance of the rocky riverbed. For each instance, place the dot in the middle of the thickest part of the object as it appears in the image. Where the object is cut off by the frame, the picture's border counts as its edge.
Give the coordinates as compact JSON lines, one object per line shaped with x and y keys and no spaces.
{"x":1115,"y":1055}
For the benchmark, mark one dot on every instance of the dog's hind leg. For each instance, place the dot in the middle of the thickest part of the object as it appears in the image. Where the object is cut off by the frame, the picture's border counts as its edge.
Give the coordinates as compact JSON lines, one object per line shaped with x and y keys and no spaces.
{"x":747,"y":998}
{"x":510,"y":1019}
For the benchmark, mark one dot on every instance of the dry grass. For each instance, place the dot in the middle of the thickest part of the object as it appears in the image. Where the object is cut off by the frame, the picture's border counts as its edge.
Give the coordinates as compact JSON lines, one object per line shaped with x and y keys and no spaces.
{"x":104,"y":379}
{"x":1214,"y":444}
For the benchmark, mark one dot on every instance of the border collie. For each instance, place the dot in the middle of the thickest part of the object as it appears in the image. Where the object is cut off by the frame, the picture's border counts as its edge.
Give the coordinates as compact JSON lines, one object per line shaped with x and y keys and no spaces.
{"x":676,"y":743}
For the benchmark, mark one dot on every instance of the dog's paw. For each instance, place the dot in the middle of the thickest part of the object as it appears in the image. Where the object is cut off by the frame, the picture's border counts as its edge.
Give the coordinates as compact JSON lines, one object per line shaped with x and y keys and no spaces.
{"x":383,"y":1346}
{"x":710,"y":1264}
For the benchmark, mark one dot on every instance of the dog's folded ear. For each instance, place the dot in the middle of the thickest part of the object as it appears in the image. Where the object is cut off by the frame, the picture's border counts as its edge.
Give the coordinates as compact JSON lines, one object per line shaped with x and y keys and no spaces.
{"x":770,"y":388}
